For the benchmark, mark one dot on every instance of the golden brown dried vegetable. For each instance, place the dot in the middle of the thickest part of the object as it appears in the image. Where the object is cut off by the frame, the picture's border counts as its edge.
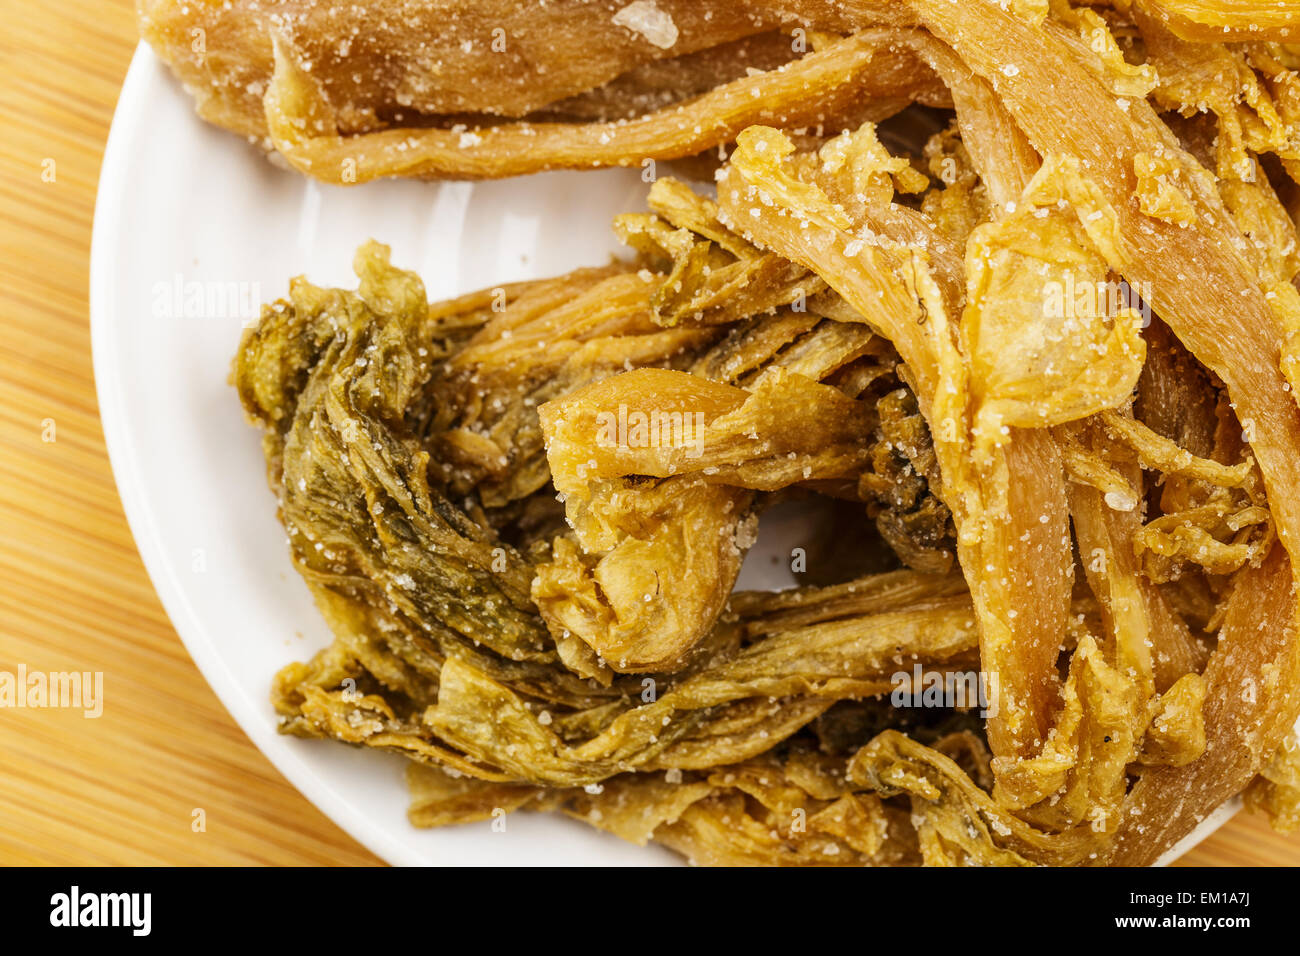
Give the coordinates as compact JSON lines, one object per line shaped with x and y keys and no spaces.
{"x":1047,"y":350}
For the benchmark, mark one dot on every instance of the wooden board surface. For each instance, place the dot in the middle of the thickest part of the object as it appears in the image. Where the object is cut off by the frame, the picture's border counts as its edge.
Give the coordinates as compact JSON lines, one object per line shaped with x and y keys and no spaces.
{"x":123,"y":788}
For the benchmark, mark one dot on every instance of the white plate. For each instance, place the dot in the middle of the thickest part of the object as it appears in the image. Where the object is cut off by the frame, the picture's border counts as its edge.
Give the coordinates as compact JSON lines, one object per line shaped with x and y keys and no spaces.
{"x":181,"y":202}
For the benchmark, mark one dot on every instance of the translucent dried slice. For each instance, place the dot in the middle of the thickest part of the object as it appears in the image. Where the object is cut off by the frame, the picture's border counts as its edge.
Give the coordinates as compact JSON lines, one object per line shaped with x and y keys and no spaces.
{"x":660,"y":423}
{"x":1219,"y":21}
{"x":1205,"y":284}
{"x":1276,"y":791}
{"x":649,"y":572}
{"x":305,"y":128}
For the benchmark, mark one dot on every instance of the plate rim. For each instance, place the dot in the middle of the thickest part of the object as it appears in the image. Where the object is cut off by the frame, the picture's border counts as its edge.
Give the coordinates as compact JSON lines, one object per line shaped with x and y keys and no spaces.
{"x":132,"y":104}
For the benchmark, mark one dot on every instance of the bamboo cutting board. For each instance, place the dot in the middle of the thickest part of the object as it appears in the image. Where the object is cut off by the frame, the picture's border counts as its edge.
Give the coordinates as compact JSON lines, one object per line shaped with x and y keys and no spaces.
{"x":124,"y":788}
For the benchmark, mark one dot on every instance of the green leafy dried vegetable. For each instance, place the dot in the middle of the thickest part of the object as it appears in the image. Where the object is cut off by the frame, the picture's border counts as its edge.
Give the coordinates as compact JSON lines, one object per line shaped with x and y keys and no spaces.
{"x":404,"y":445}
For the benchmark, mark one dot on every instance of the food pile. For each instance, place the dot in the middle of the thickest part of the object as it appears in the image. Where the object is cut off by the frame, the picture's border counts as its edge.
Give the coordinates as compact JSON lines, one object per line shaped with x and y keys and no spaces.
{"x":1011,"y":286}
